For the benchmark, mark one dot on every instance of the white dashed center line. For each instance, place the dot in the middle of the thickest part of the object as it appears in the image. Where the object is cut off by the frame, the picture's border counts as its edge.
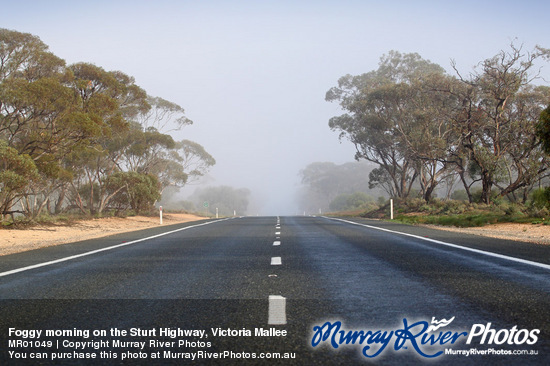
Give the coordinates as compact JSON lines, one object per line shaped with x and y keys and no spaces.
{"x":277,"y":310}
{"x":277,"y":303}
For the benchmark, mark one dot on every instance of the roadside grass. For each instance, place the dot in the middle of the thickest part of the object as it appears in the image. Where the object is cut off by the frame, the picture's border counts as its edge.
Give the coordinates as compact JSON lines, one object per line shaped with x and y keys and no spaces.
{"x":68,"y":219}
{"x":460,"y":214}
{"x":22,"y":222}
{"x":463,"y":220}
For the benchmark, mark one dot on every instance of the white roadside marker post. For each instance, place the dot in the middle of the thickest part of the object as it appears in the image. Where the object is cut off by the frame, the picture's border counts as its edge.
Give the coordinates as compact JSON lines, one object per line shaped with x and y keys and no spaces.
{"x":160,"y":212}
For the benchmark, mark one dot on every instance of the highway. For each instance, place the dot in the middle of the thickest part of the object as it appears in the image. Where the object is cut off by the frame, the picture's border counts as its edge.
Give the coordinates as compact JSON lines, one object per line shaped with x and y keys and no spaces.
{"x":250,"y":289}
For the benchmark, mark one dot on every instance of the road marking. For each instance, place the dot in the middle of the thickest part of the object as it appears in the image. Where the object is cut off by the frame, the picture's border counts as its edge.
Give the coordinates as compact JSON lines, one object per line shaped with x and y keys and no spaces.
{"x":277,"y":303}
{"x":277,"y":310}
{"x":22,"y":269}
{"x":491,"y":254}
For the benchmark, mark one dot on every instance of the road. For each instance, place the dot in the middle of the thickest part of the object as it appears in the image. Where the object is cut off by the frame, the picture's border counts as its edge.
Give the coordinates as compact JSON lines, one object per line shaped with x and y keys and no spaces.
{"x":256,"y":287}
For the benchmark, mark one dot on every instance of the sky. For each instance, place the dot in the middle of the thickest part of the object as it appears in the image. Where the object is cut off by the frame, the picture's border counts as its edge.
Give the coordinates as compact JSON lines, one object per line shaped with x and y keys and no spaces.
{"x":252,"y":75}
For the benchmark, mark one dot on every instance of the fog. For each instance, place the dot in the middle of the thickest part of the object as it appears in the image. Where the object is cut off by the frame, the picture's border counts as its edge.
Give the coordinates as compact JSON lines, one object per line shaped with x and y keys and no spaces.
{"x":252,"y":75}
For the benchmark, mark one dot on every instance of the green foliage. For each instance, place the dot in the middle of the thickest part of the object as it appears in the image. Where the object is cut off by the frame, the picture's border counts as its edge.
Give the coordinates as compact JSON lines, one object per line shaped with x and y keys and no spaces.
{"x":379,"y":177}
{"x":420,"y":125}
{"x":462,"y":220}
{"x":324,"y":181}
{"x":353,"y":201}
{"x":543,"y":129}
{"x":540,"y":198}
{"x":391,"y":121}
{"x":195,"y":160}
{"x":460,"y":213}
{"x":17,"y":171}
{"x":133,"y":190}
{"x":90,"y":192}
{"x":459,"y":195}
{"x":83,"y":136}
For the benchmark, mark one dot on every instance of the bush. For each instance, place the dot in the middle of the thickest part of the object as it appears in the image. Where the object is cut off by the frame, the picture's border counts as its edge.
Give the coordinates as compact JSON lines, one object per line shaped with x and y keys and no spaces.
{"x":540,"y":198}
{"x":357,"y":200}
{"x":459,"y":195}
{"x":510,"y":208}
{"x":539,"y":212}
{"x":455,"y":207}
{"x":135,"y":190}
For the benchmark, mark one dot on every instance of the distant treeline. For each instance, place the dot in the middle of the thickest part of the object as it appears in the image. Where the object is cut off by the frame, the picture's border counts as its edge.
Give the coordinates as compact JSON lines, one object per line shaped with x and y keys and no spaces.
{"x":77,"y":137}
{"x":422,"y":126}
{"x":327,"y":187}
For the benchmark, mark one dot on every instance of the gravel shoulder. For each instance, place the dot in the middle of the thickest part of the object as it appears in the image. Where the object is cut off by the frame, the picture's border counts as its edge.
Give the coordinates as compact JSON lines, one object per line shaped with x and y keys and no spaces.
{"x":532,"y":233}
{"x":20,"y":240}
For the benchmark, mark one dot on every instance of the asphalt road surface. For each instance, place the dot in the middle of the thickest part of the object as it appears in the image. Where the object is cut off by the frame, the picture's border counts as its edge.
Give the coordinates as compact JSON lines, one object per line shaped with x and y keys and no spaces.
{"x":278,"y":291}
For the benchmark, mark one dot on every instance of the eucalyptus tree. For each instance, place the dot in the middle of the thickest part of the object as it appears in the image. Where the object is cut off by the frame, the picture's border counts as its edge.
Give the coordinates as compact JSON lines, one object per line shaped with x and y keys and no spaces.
{"x":175,"y":163}
{"x":497,"y":123}
{"x":108,"y":100}
{"x":322,"y":179}
{"x":195,"y":160}
{"x":430,"y":139}
{"x":323,"y":182}
{"x":150,"y":152}
{"x":133,"y":190}
{"x":17,"y":172}
{"x":86,"y":135}
{"x":386,"y":117}
{"x":164,"y":116}
{"x":543,"y":129}
{"x":39,"y":116}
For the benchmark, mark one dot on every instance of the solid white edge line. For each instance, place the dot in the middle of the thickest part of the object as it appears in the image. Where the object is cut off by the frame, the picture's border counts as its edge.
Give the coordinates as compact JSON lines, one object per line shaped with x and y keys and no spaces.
{"x":38,"y":265}
{"x":277,"y":310}
{"x":501,"y":256}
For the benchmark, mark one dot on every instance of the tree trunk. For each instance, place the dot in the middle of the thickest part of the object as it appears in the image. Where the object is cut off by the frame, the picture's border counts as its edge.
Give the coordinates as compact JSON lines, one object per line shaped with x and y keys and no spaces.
{"x":429,"y":191}
{"x":60,"y":200}
{"x":486,"y":184}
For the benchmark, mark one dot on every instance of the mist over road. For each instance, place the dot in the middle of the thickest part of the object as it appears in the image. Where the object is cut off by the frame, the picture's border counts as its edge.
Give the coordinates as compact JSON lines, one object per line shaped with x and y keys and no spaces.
{"x":287,"y":276}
